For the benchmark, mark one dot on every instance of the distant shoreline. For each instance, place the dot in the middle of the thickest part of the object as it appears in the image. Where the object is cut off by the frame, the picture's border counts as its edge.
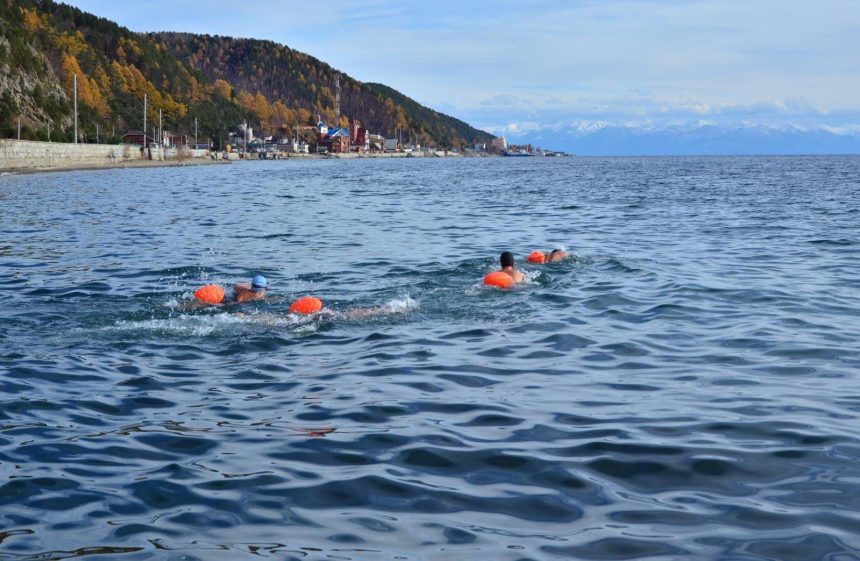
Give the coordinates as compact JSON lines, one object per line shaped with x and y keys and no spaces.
{"x":39,"y":162}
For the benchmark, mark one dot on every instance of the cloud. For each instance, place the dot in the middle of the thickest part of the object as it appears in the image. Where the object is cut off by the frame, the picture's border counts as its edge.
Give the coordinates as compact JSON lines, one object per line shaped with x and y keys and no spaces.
{"x":506,"y":61}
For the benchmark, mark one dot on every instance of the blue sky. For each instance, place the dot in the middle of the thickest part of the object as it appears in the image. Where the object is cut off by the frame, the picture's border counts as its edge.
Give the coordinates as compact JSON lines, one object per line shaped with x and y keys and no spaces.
{"x":516,"y":65}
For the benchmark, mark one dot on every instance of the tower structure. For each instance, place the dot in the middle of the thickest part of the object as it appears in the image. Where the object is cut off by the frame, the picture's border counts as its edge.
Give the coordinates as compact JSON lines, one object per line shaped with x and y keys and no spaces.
{"x":337,"y":101}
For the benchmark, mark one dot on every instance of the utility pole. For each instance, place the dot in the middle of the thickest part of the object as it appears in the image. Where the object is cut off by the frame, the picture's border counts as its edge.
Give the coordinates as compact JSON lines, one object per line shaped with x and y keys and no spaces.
{"x":195,"y":133}
{"x":160,"y":130}
{"x":144,"y":121}
{"x":97,"y":133}
{"x":19,"y":128}
{"x":76,"y":108}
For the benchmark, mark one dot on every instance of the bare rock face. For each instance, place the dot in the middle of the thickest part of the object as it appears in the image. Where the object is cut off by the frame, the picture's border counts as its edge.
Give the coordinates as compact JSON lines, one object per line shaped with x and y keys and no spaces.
{"x":29,"y":90}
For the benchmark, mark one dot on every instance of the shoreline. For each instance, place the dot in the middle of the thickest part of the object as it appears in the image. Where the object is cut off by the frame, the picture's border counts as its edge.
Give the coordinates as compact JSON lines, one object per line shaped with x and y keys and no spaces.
{"x":132,"y":164}
{"x":202,"y":161}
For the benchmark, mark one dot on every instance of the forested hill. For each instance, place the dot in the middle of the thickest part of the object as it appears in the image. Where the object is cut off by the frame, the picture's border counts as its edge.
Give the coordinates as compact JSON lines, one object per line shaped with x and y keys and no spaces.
{"x":300,"y":81}
{"x":221,"y":81}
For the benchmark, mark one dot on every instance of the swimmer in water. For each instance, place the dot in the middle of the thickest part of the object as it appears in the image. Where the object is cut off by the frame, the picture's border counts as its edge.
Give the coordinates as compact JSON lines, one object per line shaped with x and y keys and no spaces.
{"x":244,"y":292}
{"x":213,"y":295}
{"x":556,"y":255}
{"x":540,"y":258}
{"x":506,"y":260}
{"x":320,"y":312}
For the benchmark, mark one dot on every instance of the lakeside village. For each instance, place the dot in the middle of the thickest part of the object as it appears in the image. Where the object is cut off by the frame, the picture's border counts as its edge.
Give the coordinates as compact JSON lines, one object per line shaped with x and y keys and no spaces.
{"x":321,"y":141}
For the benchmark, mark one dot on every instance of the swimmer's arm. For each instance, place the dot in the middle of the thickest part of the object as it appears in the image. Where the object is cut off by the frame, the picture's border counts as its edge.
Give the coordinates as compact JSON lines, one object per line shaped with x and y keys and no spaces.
{"x":360,"y":313}
{"x":191,"y":305}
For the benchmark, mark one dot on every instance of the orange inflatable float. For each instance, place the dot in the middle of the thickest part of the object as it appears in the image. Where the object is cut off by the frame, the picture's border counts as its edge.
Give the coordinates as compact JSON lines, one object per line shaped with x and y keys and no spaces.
{"x":498,"y":279}
{"x":536,"y":257}
{"x":210,"y":294}
{"x":306,"y":305}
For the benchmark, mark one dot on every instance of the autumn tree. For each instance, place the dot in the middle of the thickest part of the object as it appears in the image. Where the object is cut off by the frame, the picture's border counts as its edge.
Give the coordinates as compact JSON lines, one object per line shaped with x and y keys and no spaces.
{"x":223,"y":88}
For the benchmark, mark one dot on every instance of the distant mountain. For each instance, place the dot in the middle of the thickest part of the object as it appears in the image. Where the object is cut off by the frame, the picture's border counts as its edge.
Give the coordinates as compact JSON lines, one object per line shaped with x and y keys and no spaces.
{"x":220,"y":81}
{"x":603,"y":139}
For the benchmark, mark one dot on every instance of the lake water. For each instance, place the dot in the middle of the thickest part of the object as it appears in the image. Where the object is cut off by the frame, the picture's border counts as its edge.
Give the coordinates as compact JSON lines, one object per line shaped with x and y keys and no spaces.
{"x":688,"y":387}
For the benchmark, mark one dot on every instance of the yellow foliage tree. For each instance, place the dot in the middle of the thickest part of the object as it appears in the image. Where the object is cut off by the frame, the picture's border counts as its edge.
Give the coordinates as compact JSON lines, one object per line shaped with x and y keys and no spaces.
{"x":31,"y":20}
{"x":130,"y":46}
{"x":246,"y":101}
{"x":196,"y":91}
{"x":223,"y":88}
{"x":102,"y":78}
{"x":303,"y":116}
{"x":71,"y":44}
{"x":282,"y":116}
{"x":88,"y":90}
{"x":261,"y":107}
{"x":130,"y":80}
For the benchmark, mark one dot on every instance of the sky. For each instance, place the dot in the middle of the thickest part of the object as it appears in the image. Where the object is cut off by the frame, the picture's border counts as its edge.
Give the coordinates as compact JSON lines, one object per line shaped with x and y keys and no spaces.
{"x":508,"y":66}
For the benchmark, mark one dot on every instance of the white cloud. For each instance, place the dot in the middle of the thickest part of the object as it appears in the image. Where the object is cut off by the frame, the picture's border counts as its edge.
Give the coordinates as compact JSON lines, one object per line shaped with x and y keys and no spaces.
{"x":547,"y":62}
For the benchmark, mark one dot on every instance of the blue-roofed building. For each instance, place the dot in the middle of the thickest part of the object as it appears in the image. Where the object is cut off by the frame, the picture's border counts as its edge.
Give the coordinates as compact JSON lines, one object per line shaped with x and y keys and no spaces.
{"x":332,"y":140}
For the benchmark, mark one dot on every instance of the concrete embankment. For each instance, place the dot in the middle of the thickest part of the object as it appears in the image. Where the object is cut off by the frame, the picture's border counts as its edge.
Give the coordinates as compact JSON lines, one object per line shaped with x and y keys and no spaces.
{"x":26,"y":155}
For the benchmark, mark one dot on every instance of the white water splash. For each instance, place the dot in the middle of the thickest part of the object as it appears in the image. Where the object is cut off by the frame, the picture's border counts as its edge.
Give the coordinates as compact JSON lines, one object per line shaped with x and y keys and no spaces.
{"x":193,"y":325}
{"x":399,"y":305}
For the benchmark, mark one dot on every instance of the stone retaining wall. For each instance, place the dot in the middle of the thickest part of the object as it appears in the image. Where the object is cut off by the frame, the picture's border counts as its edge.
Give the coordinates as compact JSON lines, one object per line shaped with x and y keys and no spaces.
{"x":30,"y":155}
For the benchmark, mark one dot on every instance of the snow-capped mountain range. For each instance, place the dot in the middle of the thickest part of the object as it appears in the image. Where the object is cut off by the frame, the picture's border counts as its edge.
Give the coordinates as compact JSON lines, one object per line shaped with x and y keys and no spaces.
{"x":683,"y":138}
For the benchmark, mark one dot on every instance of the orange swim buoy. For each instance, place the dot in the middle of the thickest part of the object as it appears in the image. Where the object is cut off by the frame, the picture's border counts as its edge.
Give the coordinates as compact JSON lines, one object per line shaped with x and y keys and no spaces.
{"x":498,"y":279}
{"x":536,"y":257}
{"x":306,"y":305}
{"x":210,"y":294}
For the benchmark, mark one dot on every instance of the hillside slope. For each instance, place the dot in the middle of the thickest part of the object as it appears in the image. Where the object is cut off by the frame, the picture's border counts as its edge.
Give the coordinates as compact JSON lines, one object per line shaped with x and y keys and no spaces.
{"x":300,"y":80}
{"x":220,"y":81}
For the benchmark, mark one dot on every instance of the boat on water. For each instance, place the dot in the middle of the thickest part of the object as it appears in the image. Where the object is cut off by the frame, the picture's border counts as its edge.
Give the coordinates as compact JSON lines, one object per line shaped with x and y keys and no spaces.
{"x":517,"y":154}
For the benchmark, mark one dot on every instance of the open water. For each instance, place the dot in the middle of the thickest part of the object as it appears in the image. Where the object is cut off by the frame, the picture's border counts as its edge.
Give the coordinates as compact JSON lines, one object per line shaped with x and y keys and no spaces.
{"x":688,"y":387}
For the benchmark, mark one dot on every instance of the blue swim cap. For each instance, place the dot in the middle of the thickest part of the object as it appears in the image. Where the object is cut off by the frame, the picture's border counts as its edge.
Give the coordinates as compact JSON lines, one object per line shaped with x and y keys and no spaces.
{"x":259,"y":282}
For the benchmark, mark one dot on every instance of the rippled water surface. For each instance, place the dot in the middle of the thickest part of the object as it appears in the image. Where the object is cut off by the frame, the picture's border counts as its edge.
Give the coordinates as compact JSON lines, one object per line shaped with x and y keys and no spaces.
{"x":687,"y":387}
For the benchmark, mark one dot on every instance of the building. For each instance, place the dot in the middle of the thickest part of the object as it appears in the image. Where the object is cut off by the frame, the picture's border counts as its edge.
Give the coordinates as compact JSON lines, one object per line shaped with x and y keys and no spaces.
{"x":358,"y":137}
{"x":499,"y":144}
{"x":293,"y":147}
{"x":332,"y":140}
{"x":247,"y":131}
{"x":171,"y":139}
{"x":137,"y":137}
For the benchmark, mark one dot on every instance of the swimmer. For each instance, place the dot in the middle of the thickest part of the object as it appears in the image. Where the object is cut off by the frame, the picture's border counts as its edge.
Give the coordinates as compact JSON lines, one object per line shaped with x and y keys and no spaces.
{"x":244,"y":292}
{"x":213,"y":294}
{"x":556,"y":255}
{"x":506,"y":260}
{"x":313,"y":308}
{"x":208,"y":295}
{"x":539,"y":257}
{"x":309,"y":305}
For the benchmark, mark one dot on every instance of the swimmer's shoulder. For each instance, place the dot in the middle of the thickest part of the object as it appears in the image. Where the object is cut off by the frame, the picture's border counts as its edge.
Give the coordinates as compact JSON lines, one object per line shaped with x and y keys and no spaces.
{"x":246,"y":296}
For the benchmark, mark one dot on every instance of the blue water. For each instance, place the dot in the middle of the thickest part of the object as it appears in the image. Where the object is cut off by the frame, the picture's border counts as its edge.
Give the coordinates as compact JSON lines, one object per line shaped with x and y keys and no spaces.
{"x":688,"y":387}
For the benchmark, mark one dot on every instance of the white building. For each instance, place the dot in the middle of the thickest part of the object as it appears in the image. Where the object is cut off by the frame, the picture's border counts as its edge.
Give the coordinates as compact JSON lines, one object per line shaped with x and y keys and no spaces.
{"x":247,"y":132}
